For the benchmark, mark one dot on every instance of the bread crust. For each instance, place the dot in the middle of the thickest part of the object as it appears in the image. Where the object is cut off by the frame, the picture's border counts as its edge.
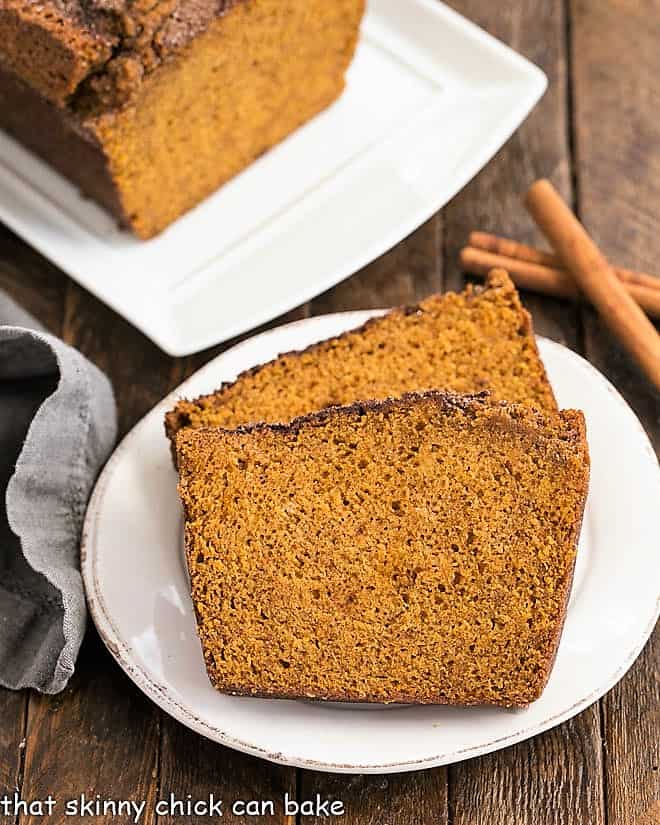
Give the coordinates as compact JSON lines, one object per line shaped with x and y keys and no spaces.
{"x":179,"y":417}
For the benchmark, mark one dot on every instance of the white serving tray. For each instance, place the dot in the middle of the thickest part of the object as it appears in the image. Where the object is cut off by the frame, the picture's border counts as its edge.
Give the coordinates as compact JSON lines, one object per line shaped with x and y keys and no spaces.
{"x":430,"y":98}
{"x":134,"y":523}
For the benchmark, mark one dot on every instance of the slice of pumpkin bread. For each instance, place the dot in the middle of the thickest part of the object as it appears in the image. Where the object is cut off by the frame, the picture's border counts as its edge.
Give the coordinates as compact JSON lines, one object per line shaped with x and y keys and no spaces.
{"x":417,"y":550}
{"x":479,"y":339}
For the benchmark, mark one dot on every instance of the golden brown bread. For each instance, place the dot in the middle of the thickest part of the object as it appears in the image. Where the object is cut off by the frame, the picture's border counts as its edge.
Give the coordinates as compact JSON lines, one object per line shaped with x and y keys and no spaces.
{"x":479,"y":339}
{"x":417,"y":550}
{"x":163,"y":102}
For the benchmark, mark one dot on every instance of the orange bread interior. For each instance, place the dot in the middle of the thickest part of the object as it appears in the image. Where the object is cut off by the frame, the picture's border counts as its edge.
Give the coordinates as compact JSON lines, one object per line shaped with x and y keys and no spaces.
{"x":479,"y":339}
{"x":258,"y":72}
{"x":417,"y":550}
{"x":149,"y":107}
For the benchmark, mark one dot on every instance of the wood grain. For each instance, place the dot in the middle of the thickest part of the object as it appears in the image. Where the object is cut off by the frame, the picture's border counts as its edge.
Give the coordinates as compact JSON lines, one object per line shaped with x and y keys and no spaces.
{"x":552,"y":779}
{"x":34,"y":283}
{"x":102,"y":736}
{"x":493,"y":201}
{"x":617,"y":136}
{"x":418,"y":798}
{"x":196,"y":766}
{"x":631,"y":716}
{"x":99,"y":736}
{"x":13,"y":708}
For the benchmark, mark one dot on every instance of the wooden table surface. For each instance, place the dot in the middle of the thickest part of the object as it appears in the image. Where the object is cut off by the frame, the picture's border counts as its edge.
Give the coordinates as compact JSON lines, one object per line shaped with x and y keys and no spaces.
{"x":596,"y":134}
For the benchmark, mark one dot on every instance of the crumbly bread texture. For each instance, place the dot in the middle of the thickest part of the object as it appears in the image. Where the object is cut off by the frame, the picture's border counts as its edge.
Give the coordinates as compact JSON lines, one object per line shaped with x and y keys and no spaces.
{"x":480,"y":339}
{"x":418,"y":550}
{"x":163,"y":102}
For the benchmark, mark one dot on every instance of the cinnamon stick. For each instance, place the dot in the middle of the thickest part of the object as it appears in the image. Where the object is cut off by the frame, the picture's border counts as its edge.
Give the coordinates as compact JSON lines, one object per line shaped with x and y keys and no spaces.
{"x":593,"y":274}
{"x":522,"y":252}
{"x":545,"y":279}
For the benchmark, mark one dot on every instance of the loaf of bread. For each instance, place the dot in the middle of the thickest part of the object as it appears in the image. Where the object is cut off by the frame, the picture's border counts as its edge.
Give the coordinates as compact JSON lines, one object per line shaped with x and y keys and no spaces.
{"x":480,"y":339}
{"x":418,"y":550}
{"x":149,"y":105}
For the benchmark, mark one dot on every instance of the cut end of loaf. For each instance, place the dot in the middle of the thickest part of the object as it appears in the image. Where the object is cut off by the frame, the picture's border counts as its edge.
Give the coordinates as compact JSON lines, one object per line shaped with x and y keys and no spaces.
{"x":415,"y":550}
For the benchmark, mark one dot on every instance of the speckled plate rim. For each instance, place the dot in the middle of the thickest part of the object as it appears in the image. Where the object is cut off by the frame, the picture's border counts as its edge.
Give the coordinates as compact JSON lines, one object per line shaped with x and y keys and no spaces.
{"x":159,"y":692}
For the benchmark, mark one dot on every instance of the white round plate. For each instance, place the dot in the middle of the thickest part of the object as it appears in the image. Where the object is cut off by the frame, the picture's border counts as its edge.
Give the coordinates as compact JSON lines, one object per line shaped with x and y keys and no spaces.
{"x":138,"y":595}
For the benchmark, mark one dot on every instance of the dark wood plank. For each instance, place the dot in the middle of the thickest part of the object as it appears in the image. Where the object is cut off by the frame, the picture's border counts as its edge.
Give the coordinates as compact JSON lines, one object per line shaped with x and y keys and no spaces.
{"x":632,"y":743}
{"x":493,"y":201}
{"x":552,"y":779}
{"x":617,"y":135}
{"x":418,"y":798}
{"x":556,"y":777}
{"x":99,"y":736}
{"x":32,"y":281}
{"x":13,"y":707}
{"x":196,"y":766}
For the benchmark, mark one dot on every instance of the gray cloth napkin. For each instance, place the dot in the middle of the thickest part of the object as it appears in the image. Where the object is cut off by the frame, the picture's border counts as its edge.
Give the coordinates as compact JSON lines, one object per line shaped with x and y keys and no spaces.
{"x":57,"y":427}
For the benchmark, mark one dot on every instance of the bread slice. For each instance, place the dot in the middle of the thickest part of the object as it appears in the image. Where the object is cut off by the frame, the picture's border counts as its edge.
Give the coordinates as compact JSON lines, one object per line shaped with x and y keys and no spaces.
{"x":418,"y":550}
{"x":480,"y":339}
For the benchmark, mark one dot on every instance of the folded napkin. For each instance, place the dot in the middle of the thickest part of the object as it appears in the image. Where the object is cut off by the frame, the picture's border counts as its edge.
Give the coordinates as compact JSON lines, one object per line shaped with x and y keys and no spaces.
{"x":57,"y":427}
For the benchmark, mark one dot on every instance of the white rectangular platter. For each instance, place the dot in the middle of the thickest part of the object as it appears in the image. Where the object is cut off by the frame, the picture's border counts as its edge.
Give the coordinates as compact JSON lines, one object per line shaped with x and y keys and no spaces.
{"x":430,"y":98}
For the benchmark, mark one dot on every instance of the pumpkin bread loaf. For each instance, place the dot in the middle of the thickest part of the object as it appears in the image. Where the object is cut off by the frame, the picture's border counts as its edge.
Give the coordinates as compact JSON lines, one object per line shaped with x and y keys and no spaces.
{"x":417,"y":550}
{"x":480,"y":339}
{"x":148,"y":106}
